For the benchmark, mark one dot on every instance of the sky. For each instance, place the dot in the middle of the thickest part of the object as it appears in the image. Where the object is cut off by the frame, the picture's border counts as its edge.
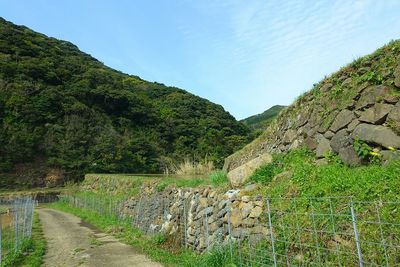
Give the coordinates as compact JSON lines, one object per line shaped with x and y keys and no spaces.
{"x":245,"y":55}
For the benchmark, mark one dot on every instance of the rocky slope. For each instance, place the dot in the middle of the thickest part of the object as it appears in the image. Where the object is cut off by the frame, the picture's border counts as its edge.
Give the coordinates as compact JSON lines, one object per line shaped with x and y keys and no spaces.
{"x":354,"y":113}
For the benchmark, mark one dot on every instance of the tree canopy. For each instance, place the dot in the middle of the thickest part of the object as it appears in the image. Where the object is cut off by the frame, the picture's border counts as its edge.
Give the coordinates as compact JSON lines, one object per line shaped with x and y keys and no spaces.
{"x":65,"y":106}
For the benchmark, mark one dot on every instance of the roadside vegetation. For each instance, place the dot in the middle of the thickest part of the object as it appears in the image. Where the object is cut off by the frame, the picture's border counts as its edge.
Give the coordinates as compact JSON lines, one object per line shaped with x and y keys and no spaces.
{"x":296,"y":174}
{"x":156,"y":247}
{"x":32,"y":251}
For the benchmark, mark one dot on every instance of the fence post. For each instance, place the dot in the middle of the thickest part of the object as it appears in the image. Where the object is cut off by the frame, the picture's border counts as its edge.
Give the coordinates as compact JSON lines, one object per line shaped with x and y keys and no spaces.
{"x":353,"y":218}
{"x":230,"y":232}
{"x":0,"y":239}
{"x":185,"y":221}
{"x":270,"y":231}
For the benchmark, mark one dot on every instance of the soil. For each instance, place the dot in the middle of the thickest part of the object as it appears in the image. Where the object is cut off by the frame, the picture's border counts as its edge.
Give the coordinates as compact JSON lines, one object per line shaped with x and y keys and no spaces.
{"x":72,"y":242}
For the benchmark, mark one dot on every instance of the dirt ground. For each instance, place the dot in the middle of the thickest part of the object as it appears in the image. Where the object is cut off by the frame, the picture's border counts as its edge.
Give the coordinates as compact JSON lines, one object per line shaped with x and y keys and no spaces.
{"x":71,"y":242}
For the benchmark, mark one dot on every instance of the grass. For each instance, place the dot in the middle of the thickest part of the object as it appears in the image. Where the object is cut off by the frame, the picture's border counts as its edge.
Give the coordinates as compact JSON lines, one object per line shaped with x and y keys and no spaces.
{"x":301,"y":176}
{"x":123,"y":185}
{"x":32,"y":251}
{"x":129,"y":235}
{"x":156,"y":247}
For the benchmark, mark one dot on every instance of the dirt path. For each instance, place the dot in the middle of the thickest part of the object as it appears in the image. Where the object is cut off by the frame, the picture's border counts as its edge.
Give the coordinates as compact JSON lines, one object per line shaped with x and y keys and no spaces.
{"x":71,"y":242}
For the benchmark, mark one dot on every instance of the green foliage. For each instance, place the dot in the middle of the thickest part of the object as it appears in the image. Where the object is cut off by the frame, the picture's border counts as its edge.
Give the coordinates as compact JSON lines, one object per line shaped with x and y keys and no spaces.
{"x":261,"y":121}
{"x":362,"y":149}
{"x":280,"y":163}
{"x":161,"y":186}
{"x":219,"y":178}
{"x":332,"y":157}
{"x":61,"y":105}
{"x":132,"y":236}
{"x":334,"y":179}
{"x":366,"y":152}
{"x":159,"y":239}
{"x":32,"y":250}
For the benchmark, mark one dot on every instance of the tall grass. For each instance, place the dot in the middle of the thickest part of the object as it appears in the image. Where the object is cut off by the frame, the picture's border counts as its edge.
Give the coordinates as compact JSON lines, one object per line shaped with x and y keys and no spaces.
{"x":191,"y":167}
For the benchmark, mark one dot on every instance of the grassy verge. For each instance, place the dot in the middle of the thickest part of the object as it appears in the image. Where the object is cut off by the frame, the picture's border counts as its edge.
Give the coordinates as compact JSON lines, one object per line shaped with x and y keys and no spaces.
{"x":296,"y":174}
{"x":123,"y":185}
{"x":32,"y":251}
{"x":154,"y":247}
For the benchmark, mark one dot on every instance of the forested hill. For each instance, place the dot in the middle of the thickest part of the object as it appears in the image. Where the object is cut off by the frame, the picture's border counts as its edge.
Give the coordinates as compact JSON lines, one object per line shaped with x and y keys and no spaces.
{"x":262,"y":120}
{"x":62,"y":109}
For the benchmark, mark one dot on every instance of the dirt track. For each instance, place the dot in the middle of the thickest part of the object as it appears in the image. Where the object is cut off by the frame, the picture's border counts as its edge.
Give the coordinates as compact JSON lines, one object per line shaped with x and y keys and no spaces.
{"x":70,"y":242}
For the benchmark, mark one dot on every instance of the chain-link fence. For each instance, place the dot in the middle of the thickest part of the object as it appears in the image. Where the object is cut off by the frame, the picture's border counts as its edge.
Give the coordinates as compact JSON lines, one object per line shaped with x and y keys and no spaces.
{"x":324,"y":231}
{"x":16,"y":218}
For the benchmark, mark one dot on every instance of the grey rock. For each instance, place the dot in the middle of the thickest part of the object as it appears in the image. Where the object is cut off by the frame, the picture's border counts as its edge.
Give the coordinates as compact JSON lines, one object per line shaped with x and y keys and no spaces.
{"x":302,"y":118}
{"x":394,"y":114}
{"x":222,"y":212}
{"x":239,"y":175}
{"x":323,"y":147}
{"x":376,"y":114}
{"x":370,"y":94}
{"x":289,"y":136}
{"x":342,"y":120}
{"x":391,"y":99}
{"x":339,"y":140}
{"x":349,"y":156}
{"x":388,"y":155}
{"x":397,"y":76}
{"x":329,"y":134}
{"x":250,"y":188}
{"x":347,"y":82}
{"x":310,"y":143}
{"x":326,"y":87}
{"x":353,"y":125}
{"x":321,"y":162}
{"x":377,"y":134}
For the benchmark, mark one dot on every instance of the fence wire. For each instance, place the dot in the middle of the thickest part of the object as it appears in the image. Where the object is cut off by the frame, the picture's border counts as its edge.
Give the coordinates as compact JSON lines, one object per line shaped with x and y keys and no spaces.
{"x":325,"y":231}
{"x":16,"y":219}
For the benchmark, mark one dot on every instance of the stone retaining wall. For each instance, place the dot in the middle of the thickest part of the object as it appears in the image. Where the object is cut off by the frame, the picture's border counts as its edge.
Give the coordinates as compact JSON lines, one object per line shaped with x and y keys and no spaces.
{"x":198,"y":218}
{"x":361,"y":101}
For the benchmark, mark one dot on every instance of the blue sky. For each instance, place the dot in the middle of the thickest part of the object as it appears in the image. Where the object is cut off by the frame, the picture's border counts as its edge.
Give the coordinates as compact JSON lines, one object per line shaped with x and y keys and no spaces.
{"x":244,"y":55}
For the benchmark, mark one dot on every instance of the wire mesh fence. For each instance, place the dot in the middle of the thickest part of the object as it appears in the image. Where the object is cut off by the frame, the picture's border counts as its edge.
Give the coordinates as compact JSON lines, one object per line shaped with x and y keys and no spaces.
{"x":324,"y":231}
{"x":16,"y":219}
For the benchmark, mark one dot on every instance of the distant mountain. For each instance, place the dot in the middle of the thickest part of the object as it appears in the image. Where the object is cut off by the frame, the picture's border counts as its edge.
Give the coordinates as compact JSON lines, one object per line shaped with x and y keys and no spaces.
{"x":261,"y":121}
{"x":62,"y":112}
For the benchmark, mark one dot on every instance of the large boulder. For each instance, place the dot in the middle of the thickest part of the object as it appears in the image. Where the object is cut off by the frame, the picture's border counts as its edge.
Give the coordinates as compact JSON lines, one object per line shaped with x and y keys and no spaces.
{"x":377,"y":134}
{"x":323,"y":147}
{"x":349,"y":156}
{"x":397,"y":76}
{"x":371,"y":94}
{"x":290,"y":136}
{"x":376,"y":114}
{"x":342,"y":120}
{"x":240,"y":174}
{"x":340,"y":140}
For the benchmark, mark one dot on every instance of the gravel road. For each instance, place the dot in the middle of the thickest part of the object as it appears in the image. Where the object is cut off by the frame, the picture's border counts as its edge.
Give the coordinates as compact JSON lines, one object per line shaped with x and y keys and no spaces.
{"x":71,"y":242}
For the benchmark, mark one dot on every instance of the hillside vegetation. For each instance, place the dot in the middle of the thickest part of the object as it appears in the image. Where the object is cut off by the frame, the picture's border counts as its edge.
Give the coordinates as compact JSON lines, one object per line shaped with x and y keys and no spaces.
{"x":353,"y":113}
{"x":260,"y":121}
{"x":65,"y":113}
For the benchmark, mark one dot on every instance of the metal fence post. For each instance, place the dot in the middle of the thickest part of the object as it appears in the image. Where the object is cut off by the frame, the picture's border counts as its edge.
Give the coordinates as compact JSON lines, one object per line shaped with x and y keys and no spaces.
{"x":0,"y":240}
{"x":207,"y":233}
{"x":353,"y":218}
{"x":270,"y":231}
{"x":185,"y":221}
{"x":230,"y":232}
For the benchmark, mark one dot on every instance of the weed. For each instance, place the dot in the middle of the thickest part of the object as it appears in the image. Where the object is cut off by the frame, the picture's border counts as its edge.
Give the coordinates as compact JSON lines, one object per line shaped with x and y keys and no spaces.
{"x":159,"y":239}
{"x":219,"y":178}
